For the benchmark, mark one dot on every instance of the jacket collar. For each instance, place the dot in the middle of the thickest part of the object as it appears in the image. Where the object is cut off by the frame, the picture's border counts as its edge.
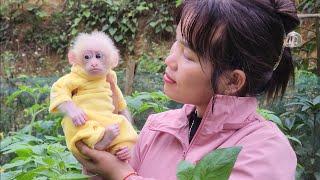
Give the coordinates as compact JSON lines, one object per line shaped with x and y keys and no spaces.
{"x":222,"y":113}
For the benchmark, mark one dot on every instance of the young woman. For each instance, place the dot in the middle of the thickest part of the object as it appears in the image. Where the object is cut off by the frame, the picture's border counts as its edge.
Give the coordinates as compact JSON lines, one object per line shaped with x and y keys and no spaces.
{"x":226,"y":53}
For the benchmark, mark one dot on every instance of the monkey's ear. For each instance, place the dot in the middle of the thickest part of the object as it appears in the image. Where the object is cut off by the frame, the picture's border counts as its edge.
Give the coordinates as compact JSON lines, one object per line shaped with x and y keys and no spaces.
{"x":115,"y":59}
{"x":72,"y":57}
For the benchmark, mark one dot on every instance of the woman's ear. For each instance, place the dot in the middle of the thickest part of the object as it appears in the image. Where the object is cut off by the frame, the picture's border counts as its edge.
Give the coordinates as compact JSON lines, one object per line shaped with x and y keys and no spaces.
{"x":233,"y":82}
{"x":72,"y":58}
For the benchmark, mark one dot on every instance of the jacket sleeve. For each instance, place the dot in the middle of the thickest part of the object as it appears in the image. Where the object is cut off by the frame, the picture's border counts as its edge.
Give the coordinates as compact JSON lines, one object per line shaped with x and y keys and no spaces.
{"x":269,"y":158}
{"x":139,"y":151}
{"x":120,"y":99}
{"x":61,"y":91}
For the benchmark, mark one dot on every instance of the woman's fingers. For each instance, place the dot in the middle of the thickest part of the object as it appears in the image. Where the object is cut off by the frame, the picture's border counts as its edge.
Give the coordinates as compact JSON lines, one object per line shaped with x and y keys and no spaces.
{"x":86,"y":151}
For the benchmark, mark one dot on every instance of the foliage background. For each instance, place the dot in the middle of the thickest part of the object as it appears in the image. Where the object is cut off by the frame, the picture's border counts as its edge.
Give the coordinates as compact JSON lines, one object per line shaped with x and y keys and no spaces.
{"x":34,"y":39}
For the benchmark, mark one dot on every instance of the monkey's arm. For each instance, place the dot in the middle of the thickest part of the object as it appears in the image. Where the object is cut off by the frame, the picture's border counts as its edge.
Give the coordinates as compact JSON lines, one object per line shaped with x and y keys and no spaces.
{"x":61,"y":91}
{"x":60,"y":99}
{"x":126,"y":113}
{"x":120,"y":102}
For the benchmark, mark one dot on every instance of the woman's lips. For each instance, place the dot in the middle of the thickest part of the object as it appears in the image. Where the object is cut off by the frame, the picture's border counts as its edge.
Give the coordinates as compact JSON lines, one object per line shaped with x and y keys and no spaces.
{"x":168,"y":79}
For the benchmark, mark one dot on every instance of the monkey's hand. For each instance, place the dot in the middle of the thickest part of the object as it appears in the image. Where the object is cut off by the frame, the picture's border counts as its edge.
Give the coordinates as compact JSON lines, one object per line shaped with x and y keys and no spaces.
{"x":77,"y":115}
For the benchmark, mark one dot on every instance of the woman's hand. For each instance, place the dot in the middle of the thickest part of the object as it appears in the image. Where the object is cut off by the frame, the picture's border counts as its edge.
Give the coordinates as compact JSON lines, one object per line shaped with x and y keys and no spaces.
{"x":103,"y":163}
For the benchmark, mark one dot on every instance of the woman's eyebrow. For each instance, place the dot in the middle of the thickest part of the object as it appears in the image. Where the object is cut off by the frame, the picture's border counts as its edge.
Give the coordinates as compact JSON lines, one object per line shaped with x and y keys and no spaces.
{"x":184,"y":43}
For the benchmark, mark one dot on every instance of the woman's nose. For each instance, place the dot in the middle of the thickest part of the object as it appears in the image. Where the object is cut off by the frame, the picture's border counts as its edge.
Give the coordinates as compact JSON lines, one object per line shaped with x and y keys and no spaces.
{"x":171,"y":60}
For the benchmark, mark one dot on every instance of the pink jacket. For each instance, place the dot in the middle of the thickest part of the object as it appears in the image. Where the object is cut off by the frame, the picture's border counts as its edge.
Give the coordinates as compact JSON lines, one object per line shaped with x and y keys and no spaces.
{"x":163,"y":142}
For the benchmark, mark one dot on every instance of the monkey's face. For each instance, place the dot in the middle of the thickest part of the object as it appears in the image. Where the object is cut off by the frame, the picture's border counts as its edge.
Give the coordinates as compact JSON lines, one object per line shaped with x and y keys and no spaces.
{"x":94,"y":62}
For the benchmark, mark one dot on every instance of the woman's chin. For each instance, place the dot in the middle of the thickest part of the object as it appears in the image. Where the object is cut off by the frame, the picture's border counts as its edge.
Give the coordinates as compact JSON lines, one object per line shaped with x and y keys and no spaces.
{"x":171,"y":95}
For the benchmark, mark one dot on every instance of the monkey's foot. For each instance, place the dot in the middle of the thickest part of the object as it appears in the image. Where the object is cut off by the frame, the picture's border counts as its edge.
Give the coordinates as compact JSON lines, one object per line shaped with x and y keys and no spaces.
{"x":110,"y":134}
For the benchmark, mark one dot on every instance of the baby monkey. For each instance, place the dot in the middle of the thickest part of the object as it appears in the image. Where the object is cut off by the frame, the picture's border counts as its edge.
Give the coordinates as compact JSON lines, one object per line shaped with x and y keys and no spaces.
{"x":90,"y":98}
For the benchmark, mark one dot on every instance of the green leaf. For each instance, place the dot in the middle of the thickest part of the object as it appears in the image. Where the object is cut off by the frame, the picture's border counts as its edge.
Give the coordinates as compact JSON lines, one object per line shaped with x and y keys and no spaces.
{"x":86,"y":13}
{"x":112,"y":19}
{"x":73,"y":176}
{"x":16,"y":164}
{"x":112,"y":31}
{"x":217,"y":164}
{"x":153,"y":24}
{"x":295,"y":140}
{"x":269,"y":115}
{"x":118,"y":38}
{"x":42,"y":14}
{"x":105,"y":27}
{"x":185,"y":170}
{"x":76,"y":21}
{"x":10,"y":175}
{"x":74,"y":32}
{"x":316,"y":100}
{"x":31,"y":174}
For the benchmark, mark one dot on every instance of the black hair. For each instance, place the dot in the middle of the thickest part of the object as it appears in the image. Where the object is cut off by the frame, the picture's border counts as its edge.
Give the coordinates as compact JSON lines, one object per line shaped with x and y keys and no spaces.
{"x":242,"y":34}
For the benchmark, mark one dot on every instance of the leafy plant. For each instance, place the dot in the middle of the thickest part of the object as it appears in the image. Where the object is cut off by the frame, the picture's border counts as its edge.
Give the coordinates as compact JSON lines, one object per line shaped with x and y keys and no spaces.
{"x":217,"y":165}
{"x":308,"y":112}
{"x":38,"y":158}
{"x":287,"y":126}
{"x":35,"y":95}
{"x":150,"y":65}
{"x":8,"y":59}
{"x":141,"y":104}
{"x":301,"y":124}
{"x":162,"y":20}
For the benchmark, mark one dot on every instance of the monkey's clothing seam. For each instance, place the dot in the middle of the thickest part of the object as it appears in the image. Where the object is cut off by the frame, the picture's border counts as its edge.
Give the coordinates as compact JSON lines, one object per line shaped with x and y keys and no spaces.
{"x":94,"y":96}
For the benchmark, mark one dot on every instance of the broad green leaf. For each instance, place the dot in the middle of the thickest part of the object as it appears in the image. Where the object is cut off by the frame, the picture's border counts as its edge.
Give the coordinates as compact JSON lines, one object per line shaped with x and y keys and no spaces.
{"x":185,"y":171}
{"x":112,"y":19}
{"x":10,"y":175}
{"x":118,"y":38}
{"x":269,"y":115}
{"x":73,"y":176}
{"x":15,"y":164}
{"x":153,"y":24}
{"x":112,"y":31}
{"x":218,"y":164}
{"x":316,"y":100}
{"x":31,"y":174}
{"x":294,"y":139}
{"x":87,"y":13}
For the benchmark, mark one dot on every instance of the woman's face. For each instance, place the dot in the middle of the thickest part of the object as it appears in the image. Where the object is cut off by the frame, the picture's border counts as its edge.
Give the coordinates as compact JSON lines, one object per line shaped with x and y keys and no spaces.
{"x":185,"y":80}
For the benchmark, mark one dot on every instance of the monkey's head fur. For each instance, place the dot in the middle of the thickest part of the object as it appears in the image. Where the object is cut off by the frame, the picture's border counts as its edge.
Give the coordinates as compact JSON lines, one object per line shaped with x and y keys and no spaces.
{"x":94,"y":52}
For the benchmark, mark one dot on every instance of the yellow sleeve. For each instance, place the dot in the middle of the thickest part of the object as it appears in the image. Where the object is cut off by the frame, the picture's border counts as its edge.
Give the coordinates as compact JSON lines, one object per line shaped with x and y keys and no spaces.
{"x":61,"y":91}
{"x":121,"y":101}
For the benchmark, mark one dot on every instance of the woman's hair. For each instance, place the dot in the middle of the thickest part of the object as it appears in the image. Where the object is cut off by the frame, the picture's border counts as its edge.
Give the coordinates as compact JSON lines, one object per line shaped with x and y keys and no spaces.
{"x":242,"y":34}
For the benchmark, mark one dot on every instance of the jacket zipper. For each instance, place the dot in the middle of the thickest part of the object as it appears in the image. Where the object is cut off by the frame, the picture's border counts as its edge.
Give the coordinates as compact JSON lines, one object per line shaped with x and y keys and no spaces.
{"x":197,"y":132}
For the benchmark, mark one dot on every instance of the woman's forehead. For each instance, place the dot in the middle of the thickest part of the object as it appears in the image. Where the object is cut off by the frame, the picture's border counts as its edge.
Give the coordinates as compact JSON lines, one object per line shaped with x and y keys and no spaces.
{"x":179,"y":37}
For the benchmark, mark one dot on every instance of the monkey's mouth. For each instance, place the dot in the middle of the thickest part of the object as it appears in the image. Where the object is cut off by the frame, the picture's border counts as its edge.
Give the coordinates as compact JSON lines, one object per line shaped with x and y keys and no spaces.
{"x":95,"y":70}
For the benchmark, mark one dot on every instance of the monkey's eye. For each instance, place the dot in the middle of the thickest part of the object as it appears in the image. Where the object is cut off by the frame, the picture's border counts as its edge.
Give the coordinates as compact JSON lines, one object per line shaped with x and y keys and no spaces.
{"x":99,"y":55}
{"x":87,"y":56}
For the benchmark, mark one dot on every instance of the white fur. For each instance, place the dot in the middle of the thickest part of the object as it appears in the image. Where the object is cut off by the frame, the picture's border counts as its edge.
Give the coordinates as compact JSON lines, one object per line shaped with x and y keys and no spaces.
{"x":97,"y":41}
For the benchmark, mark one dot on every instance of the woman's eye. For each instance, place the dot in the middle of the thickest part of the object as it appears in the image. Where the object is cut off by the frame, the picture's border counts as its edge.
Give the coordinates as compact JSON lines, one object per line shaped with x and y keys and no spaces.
{"x":98,"y":56}
{"x":187,"y":57}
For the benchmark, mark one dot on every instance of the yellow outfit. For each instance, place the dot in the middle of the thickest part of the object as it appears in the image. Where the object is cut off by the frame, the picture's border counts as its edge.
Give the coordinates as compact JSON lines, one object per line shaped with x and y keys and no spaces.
{"x":94,"y":97}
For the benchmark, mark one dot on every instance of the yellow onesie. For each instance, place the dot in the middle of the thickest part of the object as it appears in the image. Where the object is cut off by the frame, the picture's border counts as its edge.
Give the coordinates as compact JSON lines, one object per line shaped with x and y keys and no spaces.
{"x":94,"y":97}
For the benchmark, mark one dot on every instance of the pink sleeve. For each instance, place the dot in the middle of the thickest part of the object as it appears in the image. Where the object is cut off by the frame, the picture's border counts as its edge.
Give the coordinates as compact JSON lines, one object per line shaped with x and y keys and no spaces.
{"x":138,"y":151}
{"x":138,"y":178}
{"x":265,"y":156}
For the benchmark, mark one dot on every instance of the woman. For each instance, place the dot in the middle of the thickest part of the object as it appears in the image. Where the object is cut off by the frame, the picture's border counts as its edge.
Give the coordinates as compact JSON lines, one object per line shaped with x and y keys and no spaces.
{"x":226,"y":53}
